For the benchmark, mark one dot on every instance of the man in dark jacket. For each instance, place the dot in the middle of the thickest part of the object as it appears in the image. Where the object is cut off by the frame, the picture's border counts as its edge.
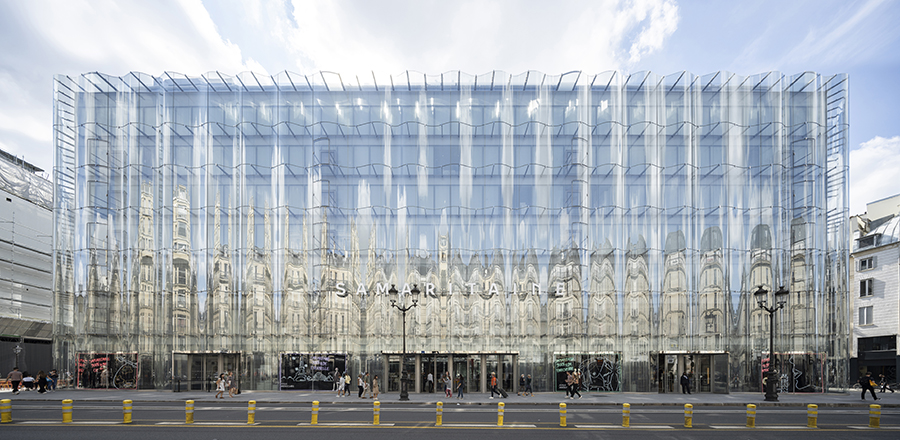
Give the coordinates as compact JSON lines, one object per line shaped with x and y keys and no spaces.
{"x":685,"y":383}
{"x":866,"y":383}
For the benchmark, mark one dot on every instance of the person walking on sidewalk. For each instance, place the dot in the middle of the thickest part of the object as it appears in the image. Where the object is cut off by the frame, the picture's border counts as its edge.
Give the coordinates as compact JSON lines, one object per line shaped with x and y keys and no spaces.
{"x":375,"y":387}
{"x":521,"y":386}
{"x":528,"y":390}
{"x":576,"y":384}
{"x":570,"y":381}
{"x":867,"y":384}
{"x":15,"y":378}
{"x":494,"y":385}
{"x":884,"y":384}
{"x":685,"y":383}
{"x":460,"y":386}
{"x":361,"y":384}
{"x":220,"y":386}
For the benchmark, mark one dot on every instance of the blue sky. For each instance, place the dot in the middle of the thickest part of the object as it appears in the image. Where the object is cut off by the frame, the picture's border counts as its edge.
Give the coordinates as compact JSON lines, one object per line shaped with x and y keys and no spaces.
{"x":860,"y":38}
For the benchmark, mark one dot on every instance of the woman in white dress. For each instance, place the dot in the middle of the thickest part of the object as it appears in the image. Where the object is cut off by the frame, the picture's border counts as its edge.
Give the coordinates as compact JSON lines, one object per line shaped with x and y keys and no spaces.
{"x":220,"y":386}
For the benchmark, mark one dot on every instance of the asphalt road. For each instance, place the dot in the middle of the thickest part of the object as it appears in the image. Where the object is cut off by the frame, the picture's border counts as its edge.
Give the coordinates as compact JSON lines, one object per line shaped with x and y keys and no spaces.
{"x":228,"y":419}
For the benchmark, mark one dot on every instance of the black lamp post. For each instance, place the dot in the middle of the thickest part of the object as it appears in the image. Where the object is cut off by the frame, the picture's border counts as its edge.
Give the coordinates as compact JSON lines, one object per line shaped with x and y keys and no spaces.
{"x":17,"y":349}
{"x":762,"y":298}
{"x":395,"y":302}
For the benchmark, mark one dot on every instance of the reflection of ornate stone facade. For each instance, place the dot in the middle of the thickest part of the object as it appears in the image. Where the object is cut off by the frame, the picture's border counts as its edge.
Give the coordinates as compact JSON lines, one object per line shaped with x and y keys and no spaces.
{"x":675,"y":310}
{"x":602,"y":328}
{"x":634,"y":193}
{"x":713,"y":308}
{"x":182,"y":294}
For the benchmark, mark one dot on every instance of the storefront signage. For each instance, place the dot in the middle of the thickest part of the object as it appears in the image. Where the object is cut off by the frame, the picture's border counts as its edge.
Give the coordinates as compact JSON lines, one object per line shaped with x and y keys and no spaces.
{"x":559,"y":289}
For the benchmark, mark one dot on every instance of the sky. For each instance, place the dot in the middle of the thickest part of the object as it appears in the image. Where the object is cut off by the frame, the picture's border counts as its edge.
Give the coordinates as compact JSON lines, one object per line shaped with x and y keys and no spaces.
{"x":40,"y":38}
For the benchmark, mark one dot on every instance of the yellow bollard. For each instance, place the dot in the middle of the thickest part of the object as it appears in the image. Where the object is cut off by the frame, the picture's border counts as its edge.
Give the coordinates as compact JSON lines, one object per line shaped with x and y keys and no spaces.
{"x":751,"y":415}
{"x":67,"y":410}
{"x":688,"y":415}
{"x":188,"y":411}
{"x":500,"y":413}
{"x":812,"y":416}
{"x":315,"y":413}
{"x":126,"y":411}
{"x":874,"y":416}
{"x":626,"y":415}
{"x":440,"y":414}
{"x":562,"y":415}
{"x":251,"y":412}
{"x":5,"y":411}
{"x":376,"y":418}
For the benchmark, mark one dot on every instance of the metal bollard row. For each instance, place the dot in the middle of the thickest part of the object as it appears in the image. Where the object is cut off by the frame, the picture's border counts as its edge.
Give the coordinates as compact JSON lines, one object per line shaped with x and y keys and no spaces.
{"x":688,"y":415}
{"x":500,"y":408}
{"x":315,"y":413}
{"x":812,"y":416}
{"x":751,"y":416}
{"x":376,"y":413}
{"x":626,"y":415}
{"x":562,"y":415}
{"x":440,"y":414}
{"x":251,"y":412}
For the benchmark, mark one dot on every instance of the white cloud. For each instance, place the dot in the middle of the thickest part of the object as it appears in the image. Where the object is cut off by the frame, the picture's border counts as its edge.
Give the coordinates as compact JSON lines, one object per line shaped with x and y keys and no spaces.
{"x":873,"y":172}
{"x":358,"y":37}
{"x":77,"y":36}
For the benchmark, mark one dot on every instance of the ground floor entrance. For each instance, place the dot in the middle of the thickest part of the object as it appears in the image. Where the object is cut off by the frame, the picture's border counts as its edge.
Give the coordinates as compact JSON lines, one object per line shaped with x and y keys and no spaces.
{"x":705,"y":372}
{"x":474,"y":368}
{"x":198,"y":371}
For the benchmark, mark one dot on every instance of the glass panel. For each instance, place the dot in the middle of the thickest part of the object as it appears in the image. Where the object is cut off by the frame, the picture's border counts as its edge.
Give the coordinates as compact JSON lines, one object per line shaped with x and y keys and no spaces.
{"x":593,"y":215}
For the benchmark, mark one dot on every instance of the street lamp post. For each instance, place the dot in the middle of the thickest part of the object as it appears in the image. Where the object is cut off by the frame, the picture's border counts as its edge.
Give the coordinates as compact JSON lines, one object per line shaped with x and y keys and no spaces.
{"x":762,"y":298}
{"x":395,"y":302}
{"x":17,"y":349}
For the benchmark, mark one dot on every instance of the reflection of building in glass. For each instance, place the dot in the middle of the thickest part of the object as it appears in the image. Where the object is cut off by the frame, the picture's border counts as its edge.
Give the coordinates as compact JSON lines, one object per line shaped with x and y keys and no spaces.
{"x":612,"y":223}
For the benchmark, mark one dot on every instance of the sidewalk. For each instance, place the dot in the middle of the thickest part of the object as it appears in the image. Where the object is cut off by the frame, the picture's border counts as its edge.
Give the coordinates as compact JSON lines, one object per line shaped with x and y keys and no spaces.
{"x":888,"y":400}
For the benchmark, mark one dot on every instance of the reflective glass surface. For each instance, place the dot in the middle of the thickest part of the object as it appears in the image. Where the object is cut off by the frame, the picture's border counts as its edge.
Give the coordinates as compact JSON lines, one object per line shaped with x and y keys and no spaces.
{"x":611,"y":219}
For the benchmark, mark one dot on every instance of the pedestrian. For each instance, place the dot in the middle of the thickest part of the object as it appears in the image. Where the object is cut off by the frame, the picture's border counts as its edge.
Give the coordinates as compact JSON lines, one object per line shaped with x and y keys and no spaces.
{"x":104,"y":377}
{"x":528,"y":389}
{"x":460,"y":386}
{"x":867,"y":384}
{"x":338,"y":380}
{"x":361,"y":384}
{"x":230,"y":384}
{"x":347,"y":383}
{"x":521,"y":385}
{"x":28,"y":382}
{"x":42,"y":382}
{"x":367,"y":383}
{"x":375,"y":387}
{"x":494,"y":385}
{"x":52,"y":379}
{"x":884,"y":384}
{"x":429,"y":383}
{"x":685,"y":383}
{"x":220,"y":386}
{"x":15,"y":378}
{"x":576,"y":384}
{"x":570,"y":381}
{"x":448,"y":385}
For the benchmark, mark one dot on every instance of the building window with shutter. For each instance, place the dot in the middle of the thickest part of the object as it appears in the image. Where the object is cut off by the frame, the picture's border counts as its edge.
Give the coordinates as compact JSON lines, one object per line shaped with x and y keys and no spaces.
{"x":866,"y":263}
{"x":866,"y":287}
{"x":865,"y":315}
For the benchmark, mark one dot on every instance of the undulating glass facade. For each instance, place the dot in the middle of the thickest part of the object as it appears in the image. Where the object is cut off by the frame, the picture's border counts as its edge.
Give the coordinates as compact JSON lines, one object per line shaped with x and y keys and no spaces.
{"x":615,"y":223}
